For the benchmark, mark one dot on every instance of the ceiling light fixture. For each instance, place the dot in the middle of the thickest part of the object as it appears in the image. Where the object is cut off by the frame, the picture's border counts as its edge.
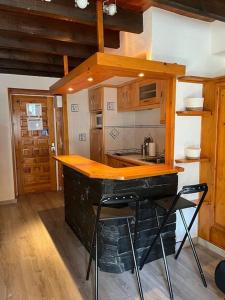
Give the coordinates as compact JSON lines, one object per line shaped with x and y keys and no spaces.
{"x":109,"y":9}
{"x":70,"y":89}
{"x":90,"y":79}
{"x":81,"y":3}
{"x":141,"y":74}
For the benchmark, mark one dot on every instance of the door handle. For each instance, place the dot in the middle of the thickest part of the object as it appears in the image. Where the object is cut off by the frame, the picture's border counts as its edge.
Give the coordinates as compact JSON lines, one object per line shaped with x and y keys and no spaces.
{"x":52,"y":148}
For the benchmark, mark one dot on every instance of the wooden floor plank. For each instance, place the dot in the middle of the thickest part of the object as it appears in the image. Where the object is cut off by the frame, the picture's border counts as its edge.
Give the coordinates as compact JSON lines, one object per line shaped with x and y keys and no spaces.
{"x":41,"y":258}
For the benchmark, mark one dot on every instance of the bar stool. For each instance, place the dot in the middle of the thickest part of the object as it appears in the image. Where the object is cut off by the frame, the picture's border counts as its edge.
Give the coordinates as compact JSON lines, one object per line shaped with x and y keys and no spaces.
{"x":171,"y":205}
{"x":105,"y":210}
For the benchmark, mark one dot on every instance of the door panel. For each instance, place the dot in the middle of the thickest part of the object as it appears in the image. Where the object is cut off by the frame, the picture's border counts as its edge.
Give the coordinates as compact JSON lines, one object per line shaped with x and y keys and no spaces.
{"x":35,"y":166}
{"x":220,"y":170}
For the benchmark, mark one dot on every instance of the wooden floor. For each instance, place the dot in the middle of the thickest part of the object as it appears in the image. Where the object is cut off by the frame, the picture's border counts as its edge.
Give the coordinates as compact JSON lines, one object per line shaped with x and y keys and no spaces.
{"x":40,"y":258}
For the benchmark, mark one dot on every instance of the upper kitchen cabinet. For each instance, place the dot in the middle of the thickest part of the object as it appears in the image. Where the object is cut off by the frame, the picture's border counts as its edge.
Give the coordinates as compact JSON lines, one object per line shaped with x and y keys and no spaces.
{"x":127,"y":97}
{"x":149,"y":93}
{"x":96,"y":97}
{"x":144,"y":94}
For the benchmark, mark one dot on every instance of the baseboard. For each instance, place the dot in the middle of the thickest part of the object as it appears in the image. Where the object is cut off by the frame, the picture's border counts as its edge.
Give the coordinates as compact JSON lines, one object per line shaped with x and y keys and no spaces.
{"x":187,"y":244}
{"x":7,"y":202}
{"x":211,"y":247}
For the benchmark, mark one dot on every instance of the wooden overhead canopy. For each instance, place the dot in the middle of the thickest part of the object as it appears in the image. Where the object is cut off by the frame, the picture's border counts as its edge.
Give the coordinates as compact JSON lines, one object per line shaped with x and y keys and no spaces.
{"x":102,"y":66}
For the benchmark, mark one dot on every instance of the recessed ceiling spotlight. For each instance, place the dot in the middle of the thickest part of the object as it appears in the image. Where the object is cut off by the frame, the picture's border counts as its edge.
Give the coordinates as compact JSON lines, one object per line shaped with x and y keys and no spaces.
{"x":90,"y":79}
{"x":81,"y":3}
{"x":109,"y":9}
{"x":141,"y":74}
{"x":70,"y":89}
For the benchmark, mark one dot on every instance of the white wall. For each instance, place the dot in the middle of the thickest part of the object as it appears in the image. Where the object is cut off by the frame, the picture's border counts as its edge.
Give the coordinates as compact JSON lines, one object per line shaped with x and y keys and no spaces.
{"x":186,"y":41}
{"x":138,"y":45}
{"x":78,"y":123}
{"x":218,"y":41}
{"x":6,"y":165}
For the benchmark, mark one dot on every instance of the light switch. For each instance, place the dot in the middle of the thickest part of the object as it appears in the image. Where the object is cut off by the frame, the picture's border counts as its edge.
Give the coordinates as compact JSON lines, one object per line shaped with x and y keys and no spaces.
{"x":74,"y":107}
{"x":82,"y":137}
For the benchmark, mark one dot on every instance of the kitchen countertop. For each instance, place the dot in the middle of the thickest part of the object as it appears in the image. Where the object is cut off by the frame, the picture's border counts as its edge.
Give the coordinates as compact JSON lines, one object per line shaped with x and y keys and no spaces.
{"x":131,"y":158}
{"x":93,"y":169}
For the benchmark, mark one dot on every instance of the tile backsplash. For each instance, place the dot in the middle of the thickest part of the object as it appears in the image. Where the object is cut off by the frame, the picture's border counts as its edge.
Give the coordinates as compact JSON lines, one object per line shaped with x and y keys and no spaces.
{"x":123,"y":135}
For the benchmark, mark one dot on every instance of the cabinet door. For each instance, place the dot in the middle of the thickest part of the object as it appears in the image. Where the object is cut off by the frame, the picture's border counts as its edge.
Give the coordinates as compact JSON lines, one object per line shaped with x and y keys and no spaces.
{"x":149,"y":93}
{"x":96,"y":145}
{"x":127,"y":97}
{"x":95,"y":99}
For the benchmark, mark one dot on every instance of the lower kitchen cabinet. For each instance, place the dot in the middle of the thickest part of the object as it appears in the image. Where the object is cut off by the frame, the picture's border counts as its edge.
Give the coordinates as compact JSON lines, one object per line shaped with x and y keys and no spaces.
{"x":117,"y":163}
{"x":96,"y":145}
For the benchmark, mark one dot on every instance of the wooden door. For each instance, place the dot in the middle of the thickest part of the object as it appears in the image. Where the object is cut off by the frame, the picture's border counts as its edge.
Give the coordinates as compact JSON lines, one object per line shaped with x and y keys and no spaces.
{"x":96,"y":145}
{"x":35,"y":166}
{"x":212,"y":214}
{"x":218,"y":228}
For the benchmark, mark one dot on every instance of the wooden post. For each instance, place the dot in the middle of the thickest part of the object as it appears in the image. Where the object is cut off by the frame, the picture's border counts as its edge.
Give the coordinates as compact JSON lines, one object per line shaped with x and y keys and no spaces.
{"x":100,"y":25}
{"x":66,"y":65}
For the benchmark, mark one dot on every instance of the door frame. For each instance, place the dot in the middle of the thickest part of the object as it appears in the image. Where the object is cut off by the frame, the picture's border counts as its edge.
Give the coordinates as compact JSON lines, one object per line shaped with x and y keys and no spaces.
{"x":24,"y":92}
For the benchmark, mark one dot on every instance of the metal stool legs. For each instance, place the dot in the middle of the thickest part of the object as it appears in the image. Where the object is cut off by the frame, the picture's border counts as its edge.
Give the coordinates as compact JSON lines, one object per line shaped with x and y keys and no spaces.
{"x":165,"y":260}
{"x":93,"y":241}
{"x":192,"y":246}
{"x":135,"y":262}
{"x":96,"y":263}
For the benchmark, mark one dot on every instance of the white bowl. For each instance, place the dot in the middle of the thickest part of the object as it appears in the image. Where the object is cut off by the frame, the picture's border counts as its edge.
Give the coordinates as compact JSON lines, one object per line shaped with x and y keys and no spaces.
{"x":192,"y":152}
{"x":194,"y":103}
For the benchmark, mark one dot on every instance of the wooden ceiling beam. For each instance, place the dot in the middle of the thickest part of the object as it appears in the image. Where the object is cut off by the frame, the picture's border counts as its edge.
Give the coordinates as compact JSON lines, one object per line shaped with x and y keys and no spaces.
{"x":56,"y":29}
{"x":26,"y":56}
{"x":124,"y":20}
{"x":30,"y":72}
{"x":16,"y":64}
{"x":22,"y":42}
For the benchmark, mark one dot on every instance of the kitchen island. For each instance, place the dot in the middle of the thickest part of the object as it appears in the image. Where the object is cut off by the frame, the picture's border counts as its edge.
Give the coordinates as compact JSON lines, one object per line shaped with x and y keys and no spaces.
{"x":86,"y":182}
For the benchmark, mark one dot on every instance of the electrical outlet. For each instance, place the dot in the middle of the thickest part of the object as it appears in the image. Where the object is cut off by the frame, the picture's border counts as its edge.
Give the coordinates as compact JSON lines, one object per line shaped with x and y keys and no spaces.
{"x":82,"y":137}
{"x":74,"y":107}
{"x":110,"y":105}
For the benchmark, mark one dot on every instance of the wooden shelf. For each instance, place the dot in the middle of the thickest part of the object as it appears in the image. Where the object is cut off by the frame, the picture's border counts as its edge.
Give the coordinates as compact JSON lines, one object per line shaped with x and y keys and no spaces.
{"x":193,"y":79}
{"x":192,"y":113}
{"x":188,"y":161}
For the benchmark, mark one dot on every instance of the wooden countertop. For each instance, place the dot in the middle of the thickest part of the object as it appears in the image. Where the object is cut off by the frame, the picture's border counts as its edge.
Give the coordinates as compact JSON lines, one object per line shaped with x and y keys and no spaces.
{"x":97,"y":170}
